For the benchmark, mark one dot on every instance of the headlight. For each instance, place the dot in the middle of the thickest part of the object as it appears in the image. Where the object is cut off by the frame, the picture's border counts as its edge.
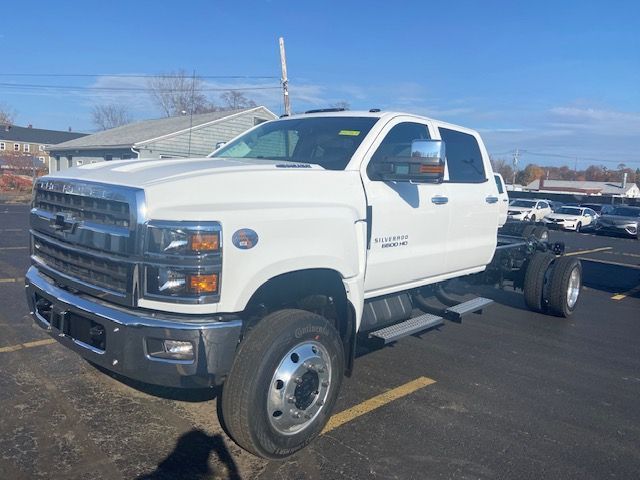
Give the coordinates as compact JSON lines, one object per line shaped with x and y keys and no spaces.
{"x":182,"y":239}
{"x":183,"y":261}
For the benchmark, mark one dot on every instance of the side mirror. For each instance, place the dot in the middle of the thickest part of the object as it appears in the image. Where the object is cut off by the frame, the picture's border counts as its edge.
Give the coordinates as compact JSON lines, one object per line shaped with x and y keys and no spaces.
{"x":425,"y":165}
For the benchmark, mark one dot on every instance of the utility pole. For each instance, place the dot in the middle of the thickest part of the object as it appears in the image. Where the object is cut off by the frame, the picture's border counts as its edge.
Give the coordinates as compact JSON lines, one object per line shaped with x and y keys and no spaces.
{"x":285,"y":79}
{"x":515,"y":167}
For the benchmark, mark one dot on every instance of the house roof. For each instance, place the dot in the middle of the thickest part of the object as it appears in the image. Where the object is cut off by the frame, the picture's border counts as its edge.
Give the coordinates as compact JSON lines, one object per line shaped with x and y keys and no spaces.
{"x":604,"y":188}
{"x":36,"y":135}
{"x":140,"y":132}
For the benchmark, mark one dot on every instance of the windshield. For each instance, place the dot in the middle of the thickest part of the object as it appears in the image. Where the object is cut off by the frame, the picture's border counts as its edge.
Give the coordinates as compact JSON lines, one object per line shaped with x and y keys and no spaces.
{"x":326,"y":141}
{"x":626,"y":212}
{"x":523,"y":203}
{"x":570,"y":210}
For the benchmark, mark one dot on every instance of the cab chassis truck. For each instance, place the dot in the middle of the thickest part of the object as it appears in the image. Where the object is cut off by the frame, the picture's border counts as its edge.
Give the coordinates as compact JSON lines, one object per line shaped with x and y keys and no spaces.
{"x":261,"y":266}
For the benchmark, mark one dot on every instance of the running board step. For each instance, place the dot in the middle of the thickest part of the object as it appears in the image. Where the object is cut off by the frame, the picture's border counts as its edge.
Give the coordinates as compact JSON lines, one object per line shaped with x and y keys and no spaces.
{"x":475,"y":305}
{"x":408,"y":327}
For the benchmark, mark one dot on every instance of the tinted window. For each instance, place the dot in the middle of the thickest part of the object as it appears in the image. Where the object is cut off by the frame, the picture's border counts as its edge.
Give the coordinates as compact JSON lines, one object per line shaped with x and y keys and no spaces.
{"x":397,"y":143}
{"x":543,"y":205}
{"x":626,"y":211}
{"x":326,"y":141}
{"x":498,"y":183}
{"x":463,"y":157}
{"x":523,"y":203}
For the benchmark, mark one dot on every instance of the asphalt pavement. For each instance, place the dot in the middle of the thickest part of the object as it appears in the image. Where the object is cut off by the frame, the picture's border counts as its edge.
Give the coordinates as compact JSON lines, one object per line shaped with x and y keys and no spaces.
{"x":507,"y":394}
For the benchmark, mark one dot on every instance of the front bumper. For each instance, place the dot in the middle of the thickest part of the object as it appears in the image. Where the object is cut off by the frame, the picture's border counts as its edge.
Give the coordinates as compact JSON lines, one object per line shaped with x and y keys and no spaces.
{"x":626,"y":230}
{"x":120,"y":339}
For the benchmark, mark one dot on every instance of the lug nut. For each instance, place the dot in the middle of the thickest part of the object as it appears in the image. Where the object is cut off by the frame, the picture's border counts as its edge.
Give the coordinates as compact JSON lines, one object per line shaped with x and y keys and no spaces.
{"x":298,"y":380}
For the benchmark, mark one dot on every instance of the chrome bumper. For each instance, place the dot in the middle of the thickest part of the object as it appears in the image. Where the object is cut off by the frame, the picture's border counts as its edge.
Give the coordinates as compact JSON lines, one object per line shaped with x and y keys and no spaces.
{"x":125,"y":335}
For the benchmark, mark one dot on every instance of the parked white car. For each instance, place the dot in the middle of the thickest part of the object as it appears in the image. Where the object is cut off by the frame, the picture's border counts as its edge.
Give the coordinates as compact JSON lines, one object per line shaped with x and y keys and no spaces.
{"x":528,"y":209}
{"x":572,"y":218}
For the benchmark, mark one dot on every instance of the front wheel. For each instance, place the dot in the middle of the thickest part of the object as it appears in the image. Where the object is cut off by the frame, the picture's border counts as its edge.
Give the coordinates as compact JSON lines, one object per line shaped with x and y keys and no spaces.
{"x":578,"y":227}
{"x":283,"y":384}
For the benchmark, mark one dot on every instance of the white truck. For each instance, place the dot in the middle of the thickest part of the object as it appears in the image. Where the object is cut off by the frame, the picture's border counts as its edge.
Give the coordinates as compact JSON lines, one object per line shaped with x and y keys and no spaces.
{"x":261,"y":266}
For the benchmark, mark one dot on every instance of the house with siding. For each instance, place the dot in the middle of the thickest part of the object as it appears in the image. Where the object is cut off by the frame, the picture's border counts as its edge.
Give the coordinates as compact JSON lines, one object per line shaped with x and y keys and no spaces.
{"x":173,"y":137}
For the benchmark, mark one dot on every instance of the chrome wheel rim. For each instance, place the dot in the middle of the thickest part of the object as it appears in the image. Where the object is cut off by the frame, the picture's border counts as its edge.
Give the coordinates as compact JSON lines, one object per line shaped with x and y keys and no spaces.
{"x":545,"y":236}
{"x":299,"y":388}
{"x":573,"y":290}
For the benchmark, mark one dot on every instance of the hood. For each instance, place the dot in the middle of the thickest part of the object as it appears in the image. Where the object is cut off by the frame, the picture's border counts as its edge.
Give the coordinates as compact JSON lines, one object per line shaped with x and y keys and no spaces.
{"x":144,"y":173}
{"x":520,"y":209}
{"x":228,"y":189}
{"x":618,"y":220}
{"x":563,"y":216}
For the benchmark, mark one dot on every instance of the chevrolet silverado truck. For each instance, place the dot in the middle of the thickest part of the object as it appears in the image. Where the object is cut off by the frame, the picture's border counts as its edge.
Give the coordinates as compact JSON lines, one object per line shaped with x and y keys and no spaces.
{"x":262,"y":265}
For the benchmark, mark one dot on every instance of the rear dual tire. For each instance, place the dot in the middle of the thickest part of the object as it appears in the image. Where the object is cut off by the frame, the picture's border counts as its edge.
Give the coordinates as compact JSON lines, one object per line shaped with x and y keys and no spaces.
{"x":552,"y":285}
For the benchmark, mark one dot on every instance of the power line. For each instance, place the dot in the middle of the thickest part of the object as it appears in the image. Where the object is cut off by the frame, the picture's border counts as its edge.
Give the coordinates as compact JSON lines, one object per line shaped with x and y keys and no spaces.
{"x":127,"y":89}
{"x":134,"y":75}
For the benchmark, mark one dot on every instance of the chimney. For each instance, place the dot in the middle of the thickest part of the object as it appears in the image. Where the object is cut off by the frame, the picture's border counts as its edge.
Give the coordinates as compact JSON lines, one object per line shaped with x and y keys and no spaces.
{"x":69,"y":128}
{"x":624,"y":181}
{"x":541,"y":185}
{"x":30,"y":126}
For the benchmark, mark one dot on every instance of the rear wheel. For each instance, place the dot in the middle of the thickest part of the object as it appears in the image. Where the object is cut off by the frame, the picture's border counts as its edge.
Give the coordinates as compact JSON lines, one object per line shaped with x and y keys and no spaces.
{"x":565,"y":283}
{"x":541,"y":233}
{"x":283,"y":384}
{"x":535,"y":279}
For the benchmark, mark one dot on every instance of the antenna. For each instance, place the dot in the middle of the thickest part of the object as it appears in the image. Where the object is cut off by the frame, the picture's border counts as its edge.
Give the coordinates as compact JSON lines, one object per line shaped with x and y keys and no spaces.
{"x":285,"y":79}
{"x":193,"y":88}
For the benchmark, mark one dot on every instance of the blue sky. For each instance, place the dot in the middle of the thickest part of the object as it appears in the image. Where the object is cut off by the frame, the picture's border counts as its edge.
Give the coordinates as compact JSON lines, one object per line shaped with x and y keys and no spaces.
{"x":558,"y":80}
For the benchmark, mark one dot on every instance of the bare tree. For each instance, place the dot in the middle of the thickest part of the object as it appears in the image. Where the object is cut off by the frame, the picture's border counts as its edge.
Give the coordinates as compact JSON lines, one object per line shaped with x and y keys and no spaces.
{"x":177,"y":93}
{"x":342,"y":104}
{"x":234,"y":100}
{"x":110,"y":115}
{"x":7,"y":114}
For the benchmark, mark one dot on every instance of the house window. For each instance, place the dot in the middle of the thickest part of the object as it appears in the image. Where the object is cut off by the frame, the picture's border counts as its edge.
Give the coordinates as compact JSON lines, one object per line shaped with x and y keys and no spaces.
{"x":2,"y":146}
{"x":25,"y":147}
{"x":108,"y":157}
{"x":16,"y":147}
{"x":41,"y":148}
{"x":69,"y":161}
{"x":57,"y":163}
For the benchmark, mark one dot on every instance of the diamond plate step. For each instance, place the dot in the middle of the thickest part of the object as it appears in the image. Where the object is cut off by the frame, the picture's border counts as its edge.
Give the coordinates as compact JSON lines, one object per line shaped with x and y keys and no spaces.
{"x":475,"y":305}
{"x":408,"y":327}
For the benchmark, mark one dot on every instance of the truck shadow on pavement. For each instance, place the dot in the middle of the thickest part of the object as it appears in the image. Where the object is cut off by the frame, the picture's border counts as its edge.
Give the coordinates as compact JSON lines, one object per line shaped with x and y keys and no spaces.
{"x":190,"y":459}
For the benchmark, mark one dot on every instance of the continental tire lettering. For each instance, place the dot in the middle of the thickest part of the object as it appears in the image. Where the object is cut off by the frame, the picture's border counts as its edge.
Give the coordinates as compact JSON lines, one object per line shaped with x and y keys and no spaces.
{"x":310,"y":329}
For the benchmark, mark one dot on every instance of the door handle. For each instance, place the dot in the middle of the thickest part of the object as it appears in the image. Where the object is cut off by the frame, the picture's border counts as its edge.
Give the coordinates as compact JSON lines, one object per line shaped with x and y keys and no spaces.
{"x":491,"y":199}
{"x":439,"y":200}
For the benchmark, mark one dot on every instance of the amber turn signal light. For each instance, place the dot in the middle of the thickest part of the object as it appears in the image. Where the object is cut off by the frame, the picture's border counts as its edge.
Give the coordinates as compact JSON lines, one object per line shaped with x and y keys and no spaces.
{"x":203,"y":283}
{"x":204,"y":242}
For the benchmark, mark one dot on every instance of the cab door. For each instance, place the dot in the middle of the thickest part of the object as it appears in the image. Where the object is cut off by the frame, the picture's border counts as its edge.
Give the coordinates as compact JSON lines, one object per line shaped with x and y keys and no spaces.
{"x":473,"y":200}
{"x":503,"y":200}
{"x":408,"y":222}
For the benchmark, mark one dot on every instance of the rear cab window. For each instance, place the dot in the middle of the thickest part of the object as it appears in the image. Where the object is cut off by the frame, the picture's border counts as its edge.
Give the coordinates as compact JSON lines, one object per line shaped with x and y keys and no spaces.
{"x":499,"y":184}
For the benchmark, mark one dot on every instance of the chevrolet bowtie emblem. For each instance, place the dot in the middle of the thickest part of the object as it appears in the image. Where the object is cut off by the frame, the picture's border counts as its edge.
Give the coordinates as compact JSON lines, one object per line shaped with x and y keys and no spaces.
{"x":64,"y":223}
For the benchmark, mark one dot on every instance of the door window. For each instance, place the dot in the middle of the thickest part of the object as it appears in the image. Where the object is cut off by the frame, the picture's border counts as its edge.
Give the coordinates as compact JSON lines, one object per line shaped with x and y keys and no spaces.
{"x":464,"y":159}
{"x":397,"y":144}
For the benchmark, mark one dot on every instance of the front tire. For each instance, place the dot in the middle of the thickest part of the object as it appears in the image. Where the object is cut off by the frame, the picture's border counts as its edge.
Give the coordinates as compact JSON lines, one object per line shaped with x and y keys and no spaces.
{"x":283,"y":384}
{"x":578,"y":227}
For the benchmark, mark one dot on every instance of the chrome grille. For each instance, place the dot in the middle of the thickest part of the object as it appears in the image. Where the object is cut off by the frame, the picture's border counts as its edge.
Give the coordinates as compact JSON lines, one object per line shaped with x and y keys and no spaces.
{"x":101,"y":211}
{"x":85,"y":236}
{"x":87,"y":268}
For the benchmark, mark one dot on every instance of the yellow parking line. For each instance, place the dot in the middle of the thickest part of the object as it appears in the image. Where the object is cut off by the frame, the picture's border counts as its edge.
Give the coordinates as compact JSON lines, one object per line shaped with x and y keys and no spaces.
{"x":20,"y":346}
{"x":583,"y":252}
{"x":376,"y":402}
{"x":620,"y":296}
{"x":12,"y":280}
